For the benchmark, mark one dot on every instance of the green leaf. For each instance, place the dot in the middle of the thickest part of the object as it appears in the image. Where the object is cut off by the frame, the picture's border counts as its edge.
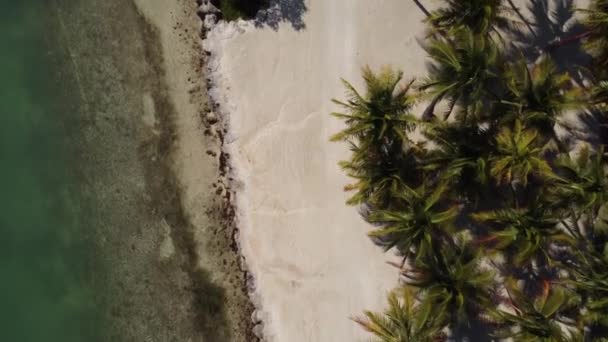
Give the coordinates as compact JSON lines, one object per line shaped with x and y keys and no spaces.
{"x":555,"y":300}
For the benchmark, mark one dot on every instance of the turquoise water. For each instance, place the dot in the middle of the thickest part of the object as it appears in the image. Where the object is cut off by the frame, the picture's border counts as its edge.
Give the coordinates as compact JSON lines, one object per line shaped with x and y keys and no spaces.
{"x":47,"y":290}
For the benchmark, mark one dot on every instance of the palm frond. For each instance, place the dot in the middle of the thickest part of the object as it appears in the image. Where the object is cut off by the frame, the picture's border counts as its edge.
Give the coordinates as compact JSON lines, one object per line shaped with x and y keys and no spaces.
{"x":518,"y":156}
{"x":403,"y":321}
{"x":462,"y":68}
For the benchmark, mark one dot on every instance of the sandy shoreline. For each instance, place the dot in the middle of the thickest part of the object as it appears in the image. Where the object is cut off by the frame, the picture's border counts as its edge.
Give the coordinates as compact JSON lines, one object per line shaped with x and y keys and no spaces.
{"x":166,"y":269}
{"x":200,"y":168}
{"x":312,"y":262}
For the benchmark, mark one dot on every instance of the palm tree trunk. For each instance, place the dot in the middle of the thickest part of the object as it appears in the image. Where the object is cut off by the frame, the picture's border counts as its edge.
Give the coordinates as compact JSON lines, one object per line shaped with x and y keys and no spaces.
{"x":456,"y":326}
{"x":429,"y":112}
{"x":422,"y":8}
{"x":568,"y":40}
{"x":450,"y":109}
{"x":522,"y":18}
{"x":514,"y":194}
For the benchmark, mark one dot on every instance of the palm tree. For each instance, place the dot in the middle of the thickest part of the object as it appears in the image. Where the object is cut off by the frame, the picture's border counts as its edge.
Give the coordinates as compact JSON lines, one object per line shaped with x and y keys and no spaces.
{"x":590,"y":277}
{"x":599,"y":94}
{"x":380,"y":116}
{"x":596,"y":36}
{"x":418,"y":226}
{"x":583,"y":182}
{"x":404,"y":321}
{"x":452,"y":284}
{"x":460,"y":155}
{"x":538,"y":96}
{"x":380,"y":175}
{"x":422,"y":8}
{"x":588,"y":269}
{"x":538,"y":319}
{"x":518,"y":156}
{"x":377,"y":125}
{"x":479,"y":16}
{"x":525,"y":234}
{"x":535,"y":266}
{"x":462,"y":71}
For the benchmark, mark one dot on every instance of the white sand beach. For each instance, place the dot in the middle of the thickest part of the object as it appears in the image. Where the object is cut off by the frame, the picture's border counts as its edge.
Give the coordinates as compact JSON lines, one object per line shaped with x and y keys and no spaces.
{"x":313,"y":265}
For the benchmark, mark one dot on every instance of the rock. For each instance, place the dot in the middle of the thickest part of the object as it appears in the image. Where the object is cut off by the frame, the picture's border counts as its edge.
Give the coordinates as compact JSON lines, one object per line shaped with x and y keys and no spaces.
{"x":256,"y":317}
{"x":258,"y":331}
{"x":211,"y":118}
{"x":210,"y":21}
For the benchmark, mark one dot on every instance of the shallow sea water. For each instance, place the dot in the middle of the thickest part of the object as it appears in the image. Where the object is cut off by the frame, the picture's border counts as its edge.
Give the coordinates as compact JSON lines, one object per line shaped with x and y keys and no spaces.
{"x":48,"y":287}
{"x":86,"y":192}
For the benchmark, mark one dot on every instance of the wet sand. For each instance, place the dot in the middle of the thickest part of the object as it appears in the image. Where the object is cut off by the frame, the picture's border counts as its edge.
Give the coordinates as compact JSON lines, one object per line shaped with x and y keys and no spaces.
{"x":166,"y":267}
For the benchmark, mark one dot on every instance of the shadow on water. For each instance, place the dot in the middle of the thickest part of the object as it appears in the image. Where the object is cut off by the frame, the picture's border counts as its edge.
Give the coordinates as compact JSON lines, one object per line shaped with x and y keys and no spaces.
{"x":291,"y":11}
{"x":209,"y":303}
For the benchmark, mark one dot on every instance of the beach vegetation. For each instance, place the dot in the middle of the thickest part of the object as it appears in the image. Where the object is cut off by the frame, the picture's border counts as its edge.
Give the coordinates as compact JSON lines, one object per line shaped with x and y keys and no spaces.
{"x":599,"y":95}
{"x":417,"y":230}
{"x":452,"y":284}
{"x":518,"y":156}
{"x":479,"y":16}
{"x":497,"y":207}
{"x":462,"y":70}
{"x":538,"y":94}
{"x":539,"y":318}
{"x":404,"y":320}
{"x":378,"y":122}
{"x":596,"y":36}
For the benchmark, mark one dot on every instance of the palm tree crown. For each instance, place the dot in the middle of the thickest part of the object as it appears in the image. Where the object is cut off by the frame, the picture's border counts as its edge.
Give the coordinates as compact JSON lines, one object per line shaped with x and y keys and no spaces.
{"x":453,"y":283}
{"x":518,"y":155}
{"x":403,"y":321}
{"x":417,"y":225}
{"x":460,"y":155}
{"x":584,"y":180}
{"x":382,"y":114}
{"x":539,"y":96}
{"x":599,"y":95}
{"x":376,"y":127}
{"x":596,"y":21}
{"x":537,"y":319}
{"x":479,"y":16}
{"x":524,"y":233}
{"x":462,"y":70}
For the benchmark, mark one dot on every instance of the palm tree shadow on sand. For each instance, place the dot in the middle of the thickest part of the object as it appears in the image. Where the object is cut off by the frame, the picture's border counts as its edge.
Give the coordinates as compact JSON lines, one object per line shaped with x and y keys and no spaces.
{"x":558,"y":33}
{"x":593,"y":127}
{"x":555,"y":29}
{"x":291,"y":11}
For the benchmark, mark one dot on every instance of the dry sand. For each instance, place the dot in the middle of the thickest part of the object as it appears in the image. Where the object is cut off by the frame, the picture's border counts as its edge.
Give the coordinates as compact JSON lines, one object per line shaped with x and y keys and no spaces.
{"x":313,"y":265}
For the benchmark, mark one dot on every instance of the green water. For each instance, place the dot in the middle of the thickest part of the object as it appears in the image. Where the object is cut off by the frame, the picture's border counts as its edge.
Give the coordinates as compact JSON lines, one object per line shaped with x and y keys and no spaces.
{"x":47,"y":290}
{"x":87,"y":195}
